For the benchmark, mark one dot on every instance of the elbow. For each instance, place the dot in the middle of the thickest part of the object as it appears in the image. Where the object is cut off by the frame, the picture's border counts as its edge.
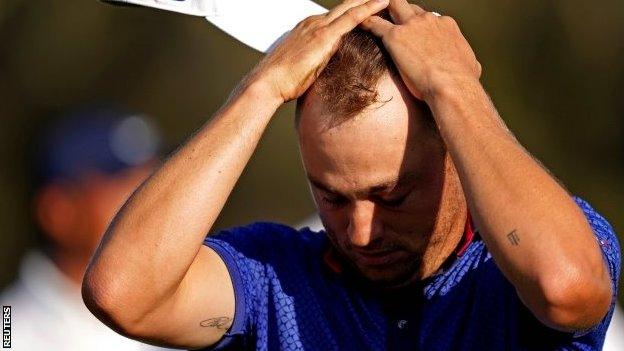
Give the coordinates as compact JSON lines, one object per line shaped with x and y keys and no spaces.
{"x":111,"y":304}
{"x":573,"y":304}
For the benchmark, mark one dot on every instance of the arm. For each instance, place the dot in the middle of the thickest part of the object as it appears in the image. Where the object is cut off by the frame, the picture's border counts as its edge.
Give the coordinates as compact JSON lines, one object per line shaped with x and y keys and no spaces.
{"x":151,"y":266}
{"x":151,"y":278}
{"x":538,"y":236}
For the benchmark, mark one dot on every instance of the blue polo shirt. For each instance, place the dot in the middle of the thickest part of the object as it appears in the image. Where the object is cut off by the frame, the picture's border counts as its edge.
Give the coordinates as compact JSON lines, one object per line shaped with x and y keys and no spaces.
{"x":289,"y":298}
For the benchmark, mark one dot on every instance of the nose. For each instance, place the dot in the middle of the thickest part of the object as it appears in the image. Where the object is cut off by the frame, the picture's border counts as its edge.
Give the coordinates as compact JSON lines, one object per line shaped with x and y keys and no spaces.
{"x":363,"y":228}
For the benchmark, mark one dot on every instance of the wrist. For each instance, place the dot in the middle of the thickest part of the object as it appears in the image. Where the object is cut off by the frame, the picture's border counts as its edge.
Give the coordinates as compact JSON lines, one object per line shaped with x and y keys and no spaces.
{"x":260,"y":90}
{"x":451,"y":87}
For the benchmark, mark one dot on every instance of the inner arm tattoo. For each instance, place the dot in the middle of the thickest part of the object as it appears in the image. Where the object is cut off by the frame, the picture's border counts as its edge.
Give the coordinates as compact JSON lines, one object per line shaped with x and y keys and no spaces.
{"x":222,"y":323}
{"x":513,"y":237}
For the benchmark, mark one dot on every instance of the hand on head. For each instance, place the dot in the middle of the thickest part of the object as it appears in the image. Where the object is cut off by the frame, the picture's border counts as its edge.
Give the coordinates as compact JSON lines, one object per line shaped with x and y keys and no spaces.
{"x":293,"y":65}
{"x":428,"y":50}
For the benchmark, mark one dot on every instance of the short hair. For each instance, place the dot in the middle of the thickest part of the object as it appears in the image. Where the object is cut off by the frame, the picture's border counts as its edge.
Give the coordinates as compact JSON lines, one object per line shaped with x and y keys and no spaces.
{"x":347,"y":85}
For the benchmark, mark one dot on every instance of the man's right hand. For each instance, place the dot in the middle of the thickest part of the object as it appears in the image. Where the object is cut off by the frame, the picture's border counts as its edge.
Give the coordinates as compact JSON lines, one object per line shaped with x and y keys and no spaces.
{"x":295,"y":63}
{"x":151,"y":278}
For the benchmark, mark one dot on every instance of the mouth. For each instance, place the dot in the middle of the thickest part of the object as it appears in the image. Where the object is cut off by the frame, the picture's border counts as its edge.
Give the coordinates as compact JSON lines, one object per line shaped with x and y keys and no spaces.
{"x":378,"y":259}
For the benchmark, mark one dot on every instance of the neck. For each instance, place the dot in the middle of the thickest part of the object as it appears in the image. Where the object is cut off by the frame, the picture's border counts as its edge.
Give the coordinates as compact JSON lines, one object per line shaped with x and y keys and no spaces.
{"x":450,"y":224}
{"x":435,"y":259}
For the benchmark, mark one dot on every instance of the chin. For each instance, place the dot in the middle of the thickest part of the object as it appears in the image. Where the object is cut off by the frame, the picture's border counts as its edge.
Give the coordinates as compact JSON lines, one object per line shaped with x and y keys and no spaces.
{"x":388,"y":277}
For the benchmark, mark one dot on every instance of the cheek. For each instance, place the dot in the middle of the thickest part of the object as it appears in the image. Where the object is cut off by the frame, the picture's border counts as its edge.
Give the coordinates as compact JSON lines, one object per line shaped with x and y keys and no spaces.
{"x":335,"y":221}
{"x":416,"y":221}
{"x":333,"y":217}
{"x":409,"y":230}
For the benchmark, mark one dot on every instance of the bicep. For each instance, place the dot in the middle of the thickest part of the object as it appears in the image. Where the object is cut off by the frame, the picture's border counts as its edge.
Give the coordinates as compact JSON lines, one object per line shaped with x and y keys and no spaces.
{"x":200,"y":311}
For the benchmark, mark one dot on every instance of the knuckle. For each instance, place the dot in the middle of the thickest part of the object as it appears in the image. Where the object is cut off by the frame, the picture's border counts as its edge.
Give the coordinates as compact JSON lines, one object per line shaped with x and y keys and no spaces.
{"x":303,"y":23}
{"x":356,"y":13}
{"x":449,"y":20}
{"x":308,"y":21}
{"x":429,"y":16}
{"x":320,"y":33}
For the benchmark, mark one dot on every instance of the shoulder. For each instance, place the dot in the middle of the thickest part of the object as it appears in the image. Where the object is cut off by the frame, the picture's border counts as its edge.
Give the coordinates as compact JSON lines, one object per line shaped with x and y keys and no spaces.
{"x":262,"y":251}
{"x":599,"y":224}
{"x":263,"y":240}
{"x":268,"y":263}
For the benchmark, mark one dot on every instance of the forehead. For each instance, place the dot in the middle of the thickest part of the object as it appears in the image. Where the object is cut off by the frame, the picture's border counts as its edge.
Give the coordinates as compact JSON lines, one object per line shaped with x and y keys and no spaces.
{"x":382,"y":143}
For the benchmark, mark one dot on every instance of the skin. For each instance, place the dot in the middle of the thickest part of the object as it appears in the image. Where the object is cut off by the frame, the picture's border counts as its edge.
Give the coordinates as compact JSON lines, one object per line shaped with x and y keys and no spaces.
{"x":398,"y":199}
{"x":535,"y":219}
{"x":151,"y":276}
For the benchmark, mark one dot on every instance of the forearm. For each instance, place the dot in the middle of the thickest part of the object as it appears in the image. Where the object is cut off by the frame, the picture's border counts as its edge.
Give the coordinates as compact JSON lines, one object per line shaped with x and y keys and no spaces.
{"x":153,"y":240}
{"x":537,"y":235}
{"x":151,"y":256}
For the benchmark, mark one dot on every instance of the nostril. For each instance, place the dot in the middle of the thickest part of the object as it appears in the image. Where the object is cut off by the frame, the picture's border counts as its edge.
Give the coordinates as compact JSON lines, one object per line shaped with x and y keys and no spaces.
{"x":362,"y":226}
{"x":361,"y":234}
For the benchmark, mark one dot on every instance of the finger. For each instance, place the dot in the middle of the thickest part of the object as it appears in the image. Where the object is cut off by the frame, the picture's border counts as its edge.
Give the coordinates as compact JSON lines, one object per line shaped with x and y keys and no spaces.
{"x":342,"y":8}
{"x":400,"y":11}
{"x":417,"y":9}
{"x":356,"y":15}
{"x":377,"y":25}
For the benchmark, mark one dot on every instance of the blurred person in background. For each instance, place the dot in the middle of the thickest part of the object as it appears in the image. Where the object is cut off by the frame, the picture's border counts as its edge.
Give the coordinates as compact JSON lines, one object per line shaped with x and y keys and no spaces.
{"x":84,"y":168}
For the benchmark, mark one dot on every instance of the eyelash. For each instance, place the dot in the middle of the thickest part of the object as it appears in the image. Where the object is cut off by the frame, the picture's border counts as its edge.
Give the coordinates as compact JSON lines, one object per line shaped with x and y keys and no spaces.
{"x":394,"y":202}
{"x":335,"y":202}
{"x":339,"y":201}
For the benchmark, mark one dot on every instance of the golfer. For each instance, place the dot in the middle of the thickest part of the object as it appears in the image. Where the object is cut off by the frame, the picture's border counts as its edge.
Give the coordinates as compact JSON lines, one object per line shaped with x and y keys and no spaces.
{"x":441,"y":231}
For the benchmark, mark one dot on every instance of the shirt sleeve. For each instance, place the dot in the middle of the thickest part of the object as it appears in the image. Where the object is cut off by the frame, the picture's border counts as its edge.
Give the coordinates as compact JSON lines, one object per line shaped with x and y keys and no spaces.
{"x":250,"y":254}
{"x":608,"y":242}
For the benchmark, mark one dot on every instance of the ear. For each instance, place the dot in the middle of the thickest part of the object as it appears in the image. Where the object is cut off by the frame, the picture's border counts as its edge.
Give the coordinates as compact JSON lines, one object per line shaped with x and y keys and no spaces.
{"x":55,"y":211}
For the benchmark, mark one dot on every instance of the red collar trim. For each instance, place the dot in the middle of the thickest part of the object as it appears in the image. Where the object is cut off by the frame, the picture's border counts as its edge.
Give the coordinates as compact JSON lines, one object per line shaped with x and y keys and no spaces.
{"x":467,"y":238}
{"x":333,"y":262}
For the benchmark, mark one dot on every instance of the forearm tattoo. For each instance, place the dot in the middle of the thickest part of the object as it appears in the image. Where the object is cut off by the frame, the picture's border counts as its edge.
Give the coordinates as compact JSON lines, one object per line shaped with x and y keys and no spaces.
{"x":513,"y":237}
{"x":222,"y":323}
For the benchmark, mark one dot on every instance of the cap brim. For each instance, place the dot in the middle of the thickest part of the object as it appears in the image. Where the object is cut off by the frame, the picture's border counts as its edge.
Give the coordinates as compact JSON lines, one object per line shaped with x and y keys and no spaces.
{"x":256,"y":23}
{"x":261,"y":23}
{"x":188,"y":7}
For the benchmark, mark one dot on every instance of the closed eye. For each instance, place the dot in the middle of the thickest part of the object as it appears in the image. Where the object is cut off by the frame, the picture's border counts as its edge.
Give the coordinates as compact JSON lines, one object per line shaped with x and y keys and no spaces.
{"x":393,"y":202}
{"x":334,"y":200}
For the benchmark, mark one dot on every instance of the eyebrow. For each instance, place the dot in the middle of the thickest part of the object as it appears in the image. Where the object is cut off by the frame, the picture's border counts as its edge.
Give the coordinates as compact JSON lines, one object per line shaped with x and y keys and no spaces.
{"x":399,"y":181}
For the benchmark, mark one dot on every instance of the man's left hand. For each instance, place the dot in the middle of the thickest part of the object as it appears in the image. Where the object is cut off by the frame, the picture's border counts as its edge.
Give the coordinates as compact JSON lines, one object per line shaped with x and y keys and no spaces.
{"x":429,"y":50}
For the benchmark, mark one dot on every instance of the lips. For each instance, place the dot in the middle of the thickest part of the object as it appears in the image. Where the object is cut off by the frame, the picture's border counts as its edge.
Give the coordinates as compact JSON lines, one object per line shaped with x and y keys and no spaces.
{"x":377,"y":259}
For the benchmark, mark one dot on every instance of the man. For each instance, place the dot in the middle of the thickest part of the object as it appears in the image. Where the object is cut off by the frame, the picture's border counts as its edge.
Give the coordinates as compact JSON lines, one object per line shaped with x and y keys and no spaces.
{"x":84,"y":168}
{"x":442,"y":232}
{"x":614,"y":338}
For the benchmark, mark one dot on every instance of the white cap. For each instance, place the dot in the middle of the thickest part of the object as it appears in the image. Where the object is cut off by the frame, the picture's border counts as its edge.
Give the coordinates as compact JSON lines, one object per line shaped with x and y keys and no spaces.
{"x":256,"y":23}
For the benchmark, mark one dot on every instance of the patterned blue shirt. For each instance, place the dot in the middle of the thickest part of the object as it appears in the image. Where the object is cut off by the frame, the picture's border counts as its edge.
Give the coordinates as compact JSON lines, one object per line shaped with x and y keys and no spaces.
{"x":287,"y":298}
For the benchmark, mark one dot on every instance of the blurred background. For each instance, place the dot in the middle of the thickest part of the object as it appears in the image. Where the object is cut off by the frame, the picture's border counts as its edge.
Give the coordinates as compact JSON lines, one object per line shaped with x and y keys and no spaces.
{"x":555,"y":70}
